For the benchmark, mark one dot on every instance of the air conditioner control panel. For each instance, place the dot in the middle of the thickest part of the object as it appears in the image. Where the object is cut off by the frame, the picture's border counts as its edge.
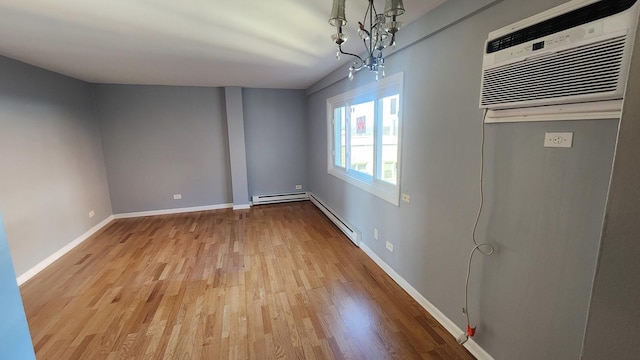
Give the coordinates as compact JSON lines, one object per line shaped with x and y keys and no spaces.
{"x":551,"y":42}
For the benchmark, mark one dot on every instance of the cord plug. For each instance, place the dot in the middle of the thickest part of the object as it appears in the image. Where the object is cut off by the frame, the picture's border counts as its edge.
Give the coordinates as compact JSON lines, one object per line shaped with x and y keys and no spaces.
{"x":470,"y":330}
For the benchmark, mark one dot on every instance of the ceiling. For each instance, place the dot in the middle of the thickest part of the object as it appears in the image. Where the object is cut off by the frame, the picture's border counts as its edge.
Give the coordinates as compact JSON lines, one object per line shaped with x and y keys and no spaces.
{"x":249,"y":43}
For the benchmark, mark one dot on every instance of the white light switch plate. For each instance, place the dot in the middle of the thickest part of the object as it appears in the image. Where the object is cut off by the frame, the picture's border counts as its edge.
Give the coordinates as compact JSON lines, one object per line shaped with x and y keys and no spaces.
{"x":558,"y":139}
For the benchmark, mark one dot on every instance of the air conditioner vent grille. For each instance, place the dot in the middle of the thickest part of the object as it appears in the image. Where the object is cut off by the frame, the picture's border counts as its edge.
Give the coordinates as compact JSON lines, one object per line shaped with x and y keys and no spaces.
{"x":590,"y":69}
{"x":589,"y":13}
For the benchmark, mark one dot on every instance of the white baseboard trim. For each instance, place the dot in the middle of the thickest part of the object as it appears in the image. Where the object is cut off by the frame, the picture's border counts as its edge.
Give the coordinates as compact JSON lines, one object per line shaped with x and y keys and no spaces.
{"x":58,"y":254}
{"x":242,"y":207}
{"x":171,"y":211}
{"x":449,"y":325}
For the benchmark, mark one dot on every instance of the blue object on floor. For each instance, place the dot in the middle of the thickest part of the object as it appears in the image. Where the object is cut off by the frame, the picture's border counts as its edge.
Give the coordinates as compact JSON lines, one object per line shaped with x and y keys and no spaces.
{"x":15,"y":339}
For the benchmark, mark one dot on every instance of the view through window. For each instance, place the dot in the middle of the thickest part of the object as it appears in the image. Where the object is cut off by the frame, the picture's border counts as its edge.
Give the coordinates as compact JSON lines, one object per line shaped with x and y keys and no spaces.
{"x":364,"y":137}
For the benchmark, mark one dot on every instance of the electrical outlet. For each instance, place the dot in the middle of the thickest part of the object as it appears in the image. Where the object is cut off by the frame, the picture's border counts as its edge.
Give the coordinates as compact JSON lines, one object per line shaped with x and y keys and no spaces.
{"x":298,"y":187}
{"x":92,"y":213}
{"x":177,"y":196}
{"x":405,"y":197}
{"x":389,"y":246}
{"x":558,"y":139}
{"x":375,"y":233}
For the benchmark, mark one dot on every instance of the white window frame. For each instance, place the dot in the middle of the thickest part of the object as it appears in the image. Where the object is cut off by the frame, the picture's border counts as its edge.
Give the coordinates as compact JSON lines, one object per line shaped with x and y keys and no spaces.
{"x":390,"y":85}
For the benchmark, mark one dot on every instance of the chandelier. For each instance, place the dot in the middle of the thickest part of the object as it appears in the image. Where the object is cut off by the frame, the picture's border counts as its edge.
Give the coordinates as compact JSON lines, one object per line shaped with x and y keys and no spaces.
{"x":377,"y":31}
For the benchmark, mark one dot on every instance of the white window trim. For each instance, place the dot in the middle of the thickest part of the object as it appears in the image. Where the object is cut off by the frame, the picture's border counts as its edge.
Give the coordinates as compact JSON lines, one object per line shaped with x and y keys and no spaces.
{"x":382,"y":189}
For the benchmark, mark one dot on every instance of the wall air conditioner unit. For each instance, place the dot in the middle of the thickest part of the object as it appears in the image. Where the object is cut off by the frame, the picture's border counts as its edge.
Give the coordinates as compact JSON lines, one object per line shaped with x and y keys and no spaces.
{"x":568,"y":63}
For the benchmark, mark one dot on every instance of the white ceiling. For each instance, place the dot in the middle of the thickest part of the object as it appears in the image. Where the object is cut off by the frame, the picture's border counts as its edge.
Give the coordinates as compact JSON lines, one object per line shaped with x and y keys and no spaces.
{"x":249,"y":43}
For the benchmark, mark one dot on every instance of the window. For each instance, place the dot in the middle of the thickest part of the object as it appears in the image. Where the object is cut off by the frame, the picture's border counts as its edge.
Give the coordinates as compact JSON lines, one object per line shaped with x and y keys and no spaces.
{"x":364,"y":137}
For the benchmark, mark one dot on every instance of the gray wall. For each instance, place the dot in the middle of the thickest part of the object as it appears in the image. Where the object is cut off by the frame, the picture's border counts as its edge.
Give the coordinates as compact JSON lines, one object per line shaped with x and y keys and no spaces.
{"x":544,"y":207}
{"x":51,"y":159}
{"x":276,"y":140}
{"x":237,"y":147}
{"x":544,"y":214}
{"x":163,"y":140}
{"x":614,"y":314}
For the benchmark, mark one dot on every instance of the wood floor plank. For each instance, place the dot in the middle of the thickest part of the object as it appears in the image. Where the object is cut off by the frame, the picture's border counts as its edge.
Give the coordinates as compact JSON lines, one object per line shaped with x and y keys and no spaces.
{"x":272,"y":282}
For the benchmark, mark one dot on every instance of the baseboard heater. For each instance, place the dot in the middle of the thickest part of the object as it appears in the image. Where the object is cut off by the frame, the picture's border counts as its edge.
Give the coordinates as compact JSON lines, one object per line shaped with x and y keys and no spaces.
{"x":279,"y":198}
{"x":352,"y":233}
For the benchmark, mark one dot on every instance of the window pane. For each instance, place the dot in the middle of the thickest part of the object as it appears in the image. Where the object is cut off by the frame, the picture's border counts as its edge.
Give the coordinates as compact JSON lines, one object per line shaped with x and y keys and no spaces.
{"x":364,"y":137}
{"x":362,"y":128}
{"x":339,"y":137}
{"x":390,"y":138}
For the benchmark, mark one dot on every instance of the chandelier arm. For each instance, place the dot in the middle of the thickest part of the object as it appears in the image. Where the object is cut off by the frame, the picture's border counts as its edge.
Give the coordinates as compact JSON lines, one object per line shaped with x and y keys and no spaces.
{"x":366,"y":13}
{"x":372,"y":11}
{"x":366,"y":46}
{"x":346,"y":53}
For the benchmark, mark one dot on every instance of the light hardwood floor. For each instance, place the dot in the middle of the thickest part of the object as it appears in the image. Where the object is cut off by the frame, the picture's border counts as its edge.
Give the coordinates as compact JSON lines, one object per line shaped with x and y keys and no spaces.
{"x":272,"y":282}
